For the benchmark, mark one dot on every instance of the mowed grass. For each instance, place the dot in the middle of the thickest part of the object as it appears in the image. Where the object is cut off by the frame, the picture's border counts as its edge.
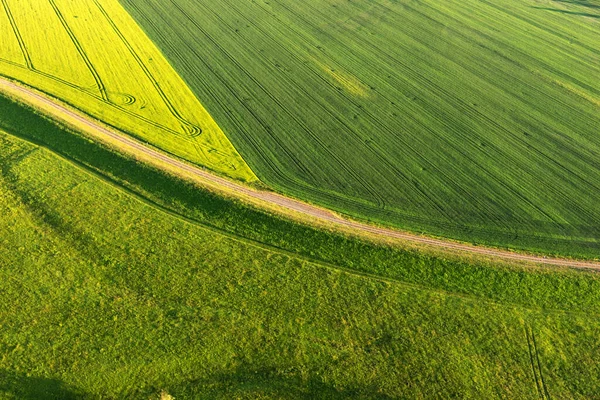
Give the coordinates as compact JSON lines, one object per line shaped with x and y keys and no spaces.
{"x":119,"y":281}
{"x":93,"y":55}
{"x":477,"y":120}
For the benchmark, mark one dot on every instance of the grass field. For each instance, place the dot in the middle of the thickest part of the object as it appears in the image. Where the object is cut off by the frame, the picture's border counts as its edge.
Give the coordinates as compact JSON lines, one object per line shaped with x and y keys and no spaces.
{"x":117,"y":280}
{"x":477,"y":120}
{"x":93,"y":55}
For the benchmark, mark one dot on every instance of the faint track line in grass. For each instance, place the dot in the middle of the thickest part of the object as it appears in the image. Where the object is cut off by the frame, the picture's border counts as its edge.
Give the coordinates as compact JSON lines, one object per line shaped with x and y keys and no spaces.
{"x":81,"y":51}
{"x":536,"y":366}
{"x":539,"y":364}
{"x":532,"y":363}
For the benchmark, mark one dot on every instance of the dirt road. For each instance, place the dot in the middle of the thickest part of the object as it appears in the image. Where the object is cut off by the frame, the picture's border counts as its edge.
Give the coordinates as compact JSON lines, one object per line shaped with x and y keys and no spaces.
{"x":61,"y":113}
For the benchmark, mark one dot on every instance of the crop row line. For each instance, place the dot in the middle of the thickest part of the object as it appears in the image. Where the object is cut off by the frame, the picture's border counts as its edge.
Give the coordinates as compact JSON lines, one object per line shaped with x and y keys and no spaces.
{"x":81,"y":51}
{"x":372,"y":192}
{"x":192,"y":130}
{"x":101,"y":87}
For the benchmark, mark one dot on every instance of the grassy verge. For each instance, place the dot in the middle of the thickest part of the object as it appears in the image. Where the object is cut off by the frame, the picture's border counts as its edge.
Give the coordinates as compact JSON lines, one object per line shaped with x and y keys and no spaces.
{"x":105,"y":294}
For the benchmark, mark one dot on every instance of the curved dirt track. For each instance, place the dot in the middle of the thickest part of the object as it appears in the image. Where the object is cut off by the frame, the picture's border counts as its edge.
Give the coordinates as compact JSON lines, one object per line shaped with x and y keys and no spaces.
{"x":62,"y":114}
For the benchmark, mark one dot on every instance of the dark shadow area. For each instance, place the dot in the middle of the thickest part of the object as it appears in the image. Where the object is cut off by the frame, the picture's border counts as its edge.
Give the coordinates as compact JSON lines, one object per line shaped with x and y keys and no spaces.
{"x":21,"y":386}
{"x":581,"y":3}
{"x":266,"y":383}
{"x":580,"y":14}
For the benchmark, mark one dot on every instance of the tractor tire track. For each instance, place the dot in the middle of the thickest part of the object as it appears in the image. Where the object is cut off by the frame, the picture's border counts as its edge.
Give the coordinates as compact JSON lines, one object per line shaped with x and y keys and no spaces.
{"x":15,"y":29}
{"x":191,"y":129}
{"x":81,"y":51}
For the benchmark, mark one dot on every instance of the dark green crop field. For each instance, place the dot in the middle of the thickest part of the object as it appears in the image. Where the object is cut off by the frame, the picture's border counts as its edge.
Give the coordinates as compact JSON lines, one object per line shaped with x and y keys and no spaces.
{"x":472,"y":119}
{"x":118,"y":281}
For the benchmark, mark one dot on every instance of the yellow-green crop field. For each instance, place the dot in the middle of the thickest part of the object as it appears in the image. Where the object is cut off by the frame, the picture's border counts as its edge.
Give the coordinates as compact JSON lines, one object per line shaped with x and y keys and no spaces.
{"x":92,"y":55}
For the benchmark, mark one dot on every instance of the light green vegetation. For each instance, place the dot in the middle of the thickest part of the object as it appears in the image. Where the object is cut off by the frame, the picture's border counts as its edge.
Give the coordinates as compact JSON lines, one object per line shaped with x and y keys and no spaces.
{"x":93,"y":55}
{"x":118,"y":281}
{"x":477,"y":120}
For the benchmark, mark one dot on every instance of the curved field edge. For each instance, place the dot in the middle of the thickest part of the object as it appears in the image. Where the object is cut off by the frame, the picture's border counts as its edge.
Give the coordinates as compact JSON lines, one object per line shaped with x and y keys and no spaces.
{"x":289,"y":46}
{"x":234,"y":217}
{"x":119,"y":280}
{"x":285,"y":206}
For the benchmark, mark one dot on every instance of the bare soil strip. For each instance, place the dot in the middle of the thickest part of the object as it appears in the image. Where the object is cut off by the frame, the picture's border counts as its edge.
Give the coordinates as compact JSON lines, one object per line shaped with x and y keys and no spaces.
{"x":66,"y":115}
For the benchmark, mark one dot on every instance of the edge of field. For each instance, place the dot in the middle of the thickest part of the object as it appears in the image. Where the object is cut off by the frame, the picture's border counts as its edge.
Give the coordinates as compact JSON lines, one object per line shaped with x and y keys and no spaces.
{"x":261,"y":197}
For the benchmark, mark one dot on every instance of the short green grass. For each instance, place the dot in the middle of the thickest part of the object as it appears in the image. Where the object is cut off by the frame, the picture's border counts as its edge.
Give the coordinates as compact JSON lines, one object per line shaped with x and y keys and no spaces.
{"x":118,"y":281}
{"x":471,"y":119}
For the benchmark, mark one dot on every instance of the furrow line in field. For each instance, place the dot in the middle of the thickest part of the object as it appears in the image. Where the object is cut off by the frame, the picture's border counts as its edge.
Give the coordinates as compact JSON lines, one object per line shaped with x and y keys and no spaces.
{"x":18,"y":36}
{"x":540,"y":26}
{"x":511,"y":60}
{"x":373,"y":193}
{"x":81,"y":52}
{"x":506,"y":45}
{"x":191,"y":129}
{"x":375,"y":149}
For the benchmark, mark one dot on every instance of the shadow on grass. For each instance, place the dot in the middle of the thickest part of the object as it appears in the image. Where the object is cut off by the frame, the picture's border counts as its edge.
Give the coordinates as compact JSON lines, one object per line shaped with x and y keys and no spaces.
{"x":266,"y":383}
{"x":20,"y":386}
{"x":580,"y":14}
{"x":581,"y":3}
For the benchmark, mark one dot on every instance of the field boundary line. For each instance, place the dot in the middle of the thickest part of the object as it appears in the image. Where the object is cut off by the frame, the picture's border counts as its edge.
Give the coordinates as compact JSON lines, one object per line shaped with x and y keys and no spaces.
{"x":266,"y":199}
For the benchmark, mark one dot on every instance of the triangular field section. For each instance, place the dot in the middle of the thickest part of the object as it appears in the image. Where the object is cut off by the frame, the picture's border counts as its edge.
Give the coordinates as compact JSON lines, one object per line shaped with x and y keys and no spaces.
{"x":94,"y":56}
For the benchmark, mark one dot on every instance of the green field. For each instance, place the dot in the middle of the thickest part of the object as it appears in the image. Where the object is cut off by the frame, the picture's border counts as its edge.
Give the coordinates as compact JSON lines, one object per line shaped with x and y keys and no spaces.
{"x":477,"y":120}
{"x":92,"y":55}
{"x":119,"y":281}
